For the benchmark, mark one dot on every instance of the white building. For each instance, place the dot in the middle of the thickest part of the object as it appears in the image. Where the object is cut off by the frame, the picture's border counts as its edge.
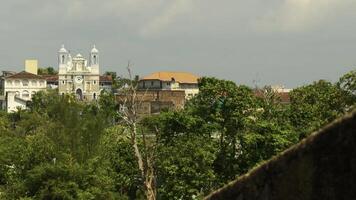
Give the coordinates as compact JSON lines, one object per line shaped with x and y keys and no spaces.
{"x":19,"y":88}
{"x":171,"y":81}
{"x":77,"y":76}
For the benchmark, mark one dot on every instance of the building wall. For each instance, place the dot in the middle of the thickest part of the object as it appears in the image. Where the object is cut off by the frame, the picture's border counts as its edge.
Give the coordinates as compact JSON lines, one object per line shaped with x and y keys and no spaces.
{"x":67,"y":84}
{"x":13,"y":103}
{"x":153,"y":101}
{"x":31,"y":66}
{"x":21,"y":88}
{"x":89,"y":82}
{"x":150,"y":84}
{"x":190,"y":89}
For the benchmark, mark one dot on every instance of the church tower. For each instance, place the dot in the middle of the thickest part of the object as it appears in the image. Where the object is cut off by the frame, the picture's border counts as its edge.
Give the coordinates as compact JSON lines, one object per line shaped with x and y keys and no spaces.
{"x":63,"y":58}
{"x":94,"y":60}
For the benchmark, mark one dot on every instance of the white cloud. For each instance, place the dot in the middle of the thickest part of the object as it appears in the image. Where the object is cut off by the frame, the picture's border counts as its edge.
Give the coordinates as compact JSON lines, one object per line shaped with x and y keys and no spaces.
{"x":299,"y":15}
{"x":167,"y":17}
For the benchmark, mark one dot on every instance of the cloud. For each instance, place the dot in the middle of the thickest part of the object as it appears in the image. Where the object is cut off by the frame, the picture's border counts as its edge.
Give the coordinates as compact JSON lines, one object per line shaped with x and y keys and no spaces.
{"x":167,"y":17}
{"x":299,"y":15}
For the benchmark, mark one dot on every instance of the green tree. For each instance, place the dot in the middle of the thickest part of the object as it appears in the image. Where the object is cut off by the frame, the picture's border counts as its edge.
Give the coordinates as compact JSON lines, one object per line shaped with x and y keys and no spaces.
{"x":315,"y":105}
{"x":184,"y":167}
{"x":47,"y":71}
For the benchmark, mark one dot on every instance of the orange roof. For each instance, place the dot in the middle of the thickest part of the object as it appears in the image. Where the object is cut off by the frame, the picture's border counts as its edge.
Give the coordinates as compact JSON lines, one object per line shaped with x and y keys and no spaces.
{"x":181,"y":77}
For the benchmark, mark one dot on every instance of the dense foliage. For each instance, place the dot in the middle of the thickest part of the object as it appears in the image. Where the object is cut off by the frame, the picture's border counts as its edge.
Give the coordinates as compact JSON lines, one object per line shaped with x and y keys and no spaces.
{"x":61,"y":148}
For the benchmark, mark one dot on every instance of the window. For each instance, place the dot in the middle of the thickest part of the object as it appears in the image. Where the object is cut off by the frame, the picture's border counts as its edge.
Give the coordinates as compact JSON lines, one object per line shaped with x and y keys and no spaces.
{"x":94,"y":96}
{"x":17,"y":83}
{"x":9,"y":82}
{"x":34,"y":83}
{"x":62,"y":59}
{"x":94,"y":82}
{"x":94,"y":59}
{"x":25,"y":94}
{"x":63,"y":82}
{"x":152,"y":83}
{"x":25,"y":83}
{"x":168,"y":83}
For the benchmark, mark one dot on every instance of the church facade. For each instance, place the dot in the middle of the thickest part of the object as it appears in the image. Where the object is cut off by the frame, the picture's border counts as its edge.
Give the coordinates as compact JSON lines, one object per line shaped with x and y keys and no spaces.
{"x":78,"y":76}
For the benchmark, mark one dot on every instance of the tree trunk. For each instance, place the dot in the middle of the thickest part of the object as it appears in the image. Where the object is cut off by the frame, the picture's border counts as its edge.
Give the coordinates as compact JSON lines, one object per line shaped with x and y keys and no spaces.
{"x":147,"y":172}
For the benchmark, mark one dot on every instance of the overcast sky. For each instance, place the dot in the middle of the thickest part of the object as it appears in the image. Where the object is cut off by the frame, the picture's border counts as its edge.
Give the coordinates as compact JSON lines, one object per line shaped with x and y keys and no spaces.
{"x":288,"y":42}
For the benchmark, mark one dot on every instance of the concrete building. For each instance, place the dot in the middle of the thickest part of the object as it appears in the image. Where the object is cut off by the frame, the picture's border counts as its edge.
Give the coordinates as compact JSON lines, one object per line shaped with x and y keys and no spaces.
{"x":31,"y":66}
{"x":173,"y":81}
{"x":19,"y":88}
{"x":77,"y":76}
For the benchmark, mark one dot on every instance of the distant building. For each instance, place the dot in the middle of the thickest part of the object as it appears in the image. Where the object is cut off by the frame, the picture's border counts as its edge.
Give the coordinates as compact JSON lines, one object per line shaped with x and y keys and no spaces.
{"x":163,"y":90}
{"x":155,"y":101}
{"x":175,"y":81}
{"x":77,"y":76}
{"x":105,"y":83}
{"x":31,"y":66}
{"x":282,"y":94}
{"x":19,"y":88}
{"x":52,"y":81}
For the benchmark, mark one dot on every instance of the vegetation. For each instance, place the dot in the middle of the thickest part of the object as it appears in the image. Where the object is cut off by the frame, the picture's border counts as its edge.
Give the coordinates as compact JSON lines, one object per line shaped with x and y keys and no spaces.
{"x":61,"y":148}
{"x":47,"y":71}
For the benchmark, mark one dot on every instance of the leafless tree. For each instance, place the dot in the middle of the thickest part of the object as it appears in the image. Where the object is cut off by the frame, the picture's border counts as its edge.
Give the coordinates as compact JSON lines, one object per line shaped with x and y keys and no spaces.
{"x":130,"y":103}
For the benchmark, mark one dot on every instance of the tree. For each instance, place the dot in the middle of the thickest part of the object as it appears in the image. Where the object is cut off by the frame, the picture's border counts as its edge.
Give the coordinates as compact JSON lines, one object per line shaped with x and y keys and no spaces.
{"x":144,"y":154}
{"x":347,"y":83}
{"x":47,"y":71}
{"x":315,"y":105}
{"x":227,"y":109}
{"x":184,"y":167}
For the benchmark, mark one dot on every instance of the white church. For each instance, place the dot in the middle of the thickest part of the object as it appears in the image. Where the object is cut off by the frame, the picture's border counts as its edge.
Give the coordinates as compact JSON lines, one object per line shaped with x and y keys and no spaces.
{"x":78,"y":76}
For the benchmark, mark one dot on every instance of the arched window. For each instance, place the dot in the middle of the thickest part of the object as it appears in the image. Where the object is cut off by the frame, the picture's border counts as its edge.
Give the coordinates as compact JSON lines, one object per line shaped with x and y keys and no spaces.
{"x":25,"y":83}
{"x":94,"y":96}
{"x":34,"y":83}
{"x":25,"y":94}
{"x":94,"y":59}
{"x":62,"y":61}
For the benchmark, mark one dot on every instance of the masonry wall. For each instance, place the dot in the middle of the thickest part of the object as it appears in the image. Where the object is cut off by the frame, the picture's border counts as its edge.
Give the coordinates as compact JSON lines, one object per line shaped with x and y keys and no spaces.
{"x":321,"y":167}
{"x":153,"y":101}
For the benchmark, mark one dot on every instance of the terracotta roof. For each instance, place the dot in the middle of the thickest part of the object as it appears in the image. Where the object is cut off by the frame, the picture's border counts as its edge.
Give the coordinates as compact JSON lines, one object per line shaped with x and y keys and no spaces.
{"x":24,"y":75}
{"x":181,"y":77}
{"x":105,"y":78}
{"x":283,"y":96}
{"x":50,"y":77}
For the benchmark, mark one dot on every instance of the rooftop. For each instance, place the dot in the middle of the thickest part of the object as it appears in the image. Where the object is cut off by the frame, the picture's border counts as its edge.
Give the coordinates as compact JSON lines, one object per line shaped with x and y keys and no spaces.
{"x":181,"y":77}
{"x":24,"y":75}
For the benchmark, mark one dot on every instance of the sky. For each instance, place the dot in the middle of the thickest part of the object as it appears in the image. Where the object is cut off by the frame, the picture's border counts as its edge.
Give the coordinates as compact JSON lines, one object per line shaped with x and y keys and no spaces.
{"x":254,"y":42}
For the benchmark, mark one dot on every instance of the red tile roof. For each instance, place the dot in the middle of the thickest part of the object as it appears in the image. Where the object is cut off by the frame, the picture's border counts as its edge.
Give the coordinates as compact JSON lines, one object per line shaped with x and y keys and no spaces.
{"x":284,"y":97}
{"x":50,"y":77}
{"x":105,"y":78}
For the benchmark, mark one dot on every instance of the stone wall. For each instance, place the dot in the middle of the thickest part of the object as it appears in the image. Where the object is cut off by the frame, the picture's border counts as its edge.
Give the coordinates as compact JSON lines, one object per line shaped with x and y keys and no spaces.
{"x":321,"y":167}
{"x":154,"y":101}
